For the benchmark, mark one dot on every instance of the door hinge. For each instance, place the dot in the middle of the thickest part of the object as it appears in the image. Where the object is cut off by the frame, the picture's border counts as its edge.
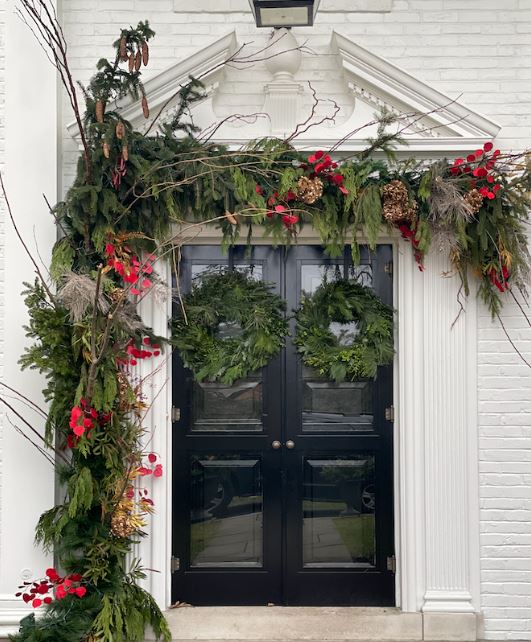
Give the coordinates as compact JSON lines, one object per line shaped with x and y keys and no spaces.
{"x":175,"y":564}
{"x":390,"y":413}
{"x":388,"y":267}
{"x":175,"y":414}
{"x":391,"y":564}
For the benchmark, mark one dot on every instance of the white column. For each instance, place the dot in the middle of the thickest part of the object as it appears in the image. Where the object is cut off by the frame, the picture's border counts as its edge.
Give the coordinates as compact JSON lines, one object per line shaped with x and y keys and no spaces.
{"x":436,"y":441}
{"x":155,"y":549}
{"x":450,"y":462}
{"x":409,"y":431}
{"x":26,"y":478}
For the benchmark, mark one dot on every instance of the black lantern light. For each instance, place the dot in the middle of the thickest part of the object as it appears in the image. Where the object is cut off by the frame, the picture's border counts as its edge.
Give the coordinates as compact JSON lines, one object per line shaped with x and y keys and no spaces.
{"x":284,"y":13}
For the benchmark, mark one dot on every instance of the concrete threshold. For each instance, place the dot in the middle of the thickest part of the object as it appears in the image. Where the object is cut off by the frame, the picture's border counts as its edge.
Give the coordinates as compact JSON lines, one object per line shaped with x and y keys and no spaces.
{"x":293,"y":624}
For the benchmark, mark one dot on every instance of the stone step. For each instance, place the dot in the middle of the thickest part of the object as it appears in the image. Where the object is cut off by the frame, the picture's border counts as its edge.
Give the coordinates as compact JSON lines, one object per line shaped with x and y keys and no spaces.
{"x":317,"y":624}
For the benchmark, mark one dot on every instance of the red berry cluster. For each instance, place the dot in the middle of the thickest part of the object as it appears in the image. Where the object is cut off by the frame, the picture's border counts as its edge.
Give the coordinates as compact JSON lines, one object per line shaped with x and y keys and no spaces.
{"x":135,"y":353}
{"x":155,"y":470}
{"x":39,"y":593}
{"x":324,"y":167}
{"x":122,"y":260}
{"x":83,"y":418}
{"x":478,"y":166}
{"x":318,"y":165}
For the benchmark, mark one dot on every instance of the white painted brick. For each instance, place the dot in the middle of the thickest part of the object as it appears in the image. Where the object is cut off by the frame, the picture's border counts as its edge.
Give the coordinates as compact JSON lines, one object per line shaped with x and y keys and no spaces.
{"x":480,"y":51}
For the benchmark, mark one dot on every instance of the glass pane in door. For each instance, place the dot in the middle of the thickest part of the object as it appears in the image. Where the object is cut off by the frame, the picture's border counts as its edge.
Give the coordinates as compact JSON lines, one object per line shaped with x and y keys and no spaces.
{"x":338,"y":512}
{"x":226,"y":525}
{"x":328,"y":406}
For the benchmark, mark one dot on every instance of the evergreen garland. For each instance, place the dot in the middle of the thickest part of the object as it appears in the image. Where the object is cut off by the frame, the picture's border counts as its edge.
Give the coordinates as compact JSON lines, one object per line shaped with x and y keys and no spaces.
{"x":233,"y":298}
{"x":344,"y":302}
{"x":130,"y":190}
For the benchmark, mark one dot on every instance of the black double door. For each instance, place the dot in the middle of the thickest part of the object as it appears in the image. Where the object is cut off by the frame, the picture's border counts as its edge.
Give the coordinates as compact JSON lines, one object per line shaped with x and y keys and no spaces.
{"x":282,"y":482}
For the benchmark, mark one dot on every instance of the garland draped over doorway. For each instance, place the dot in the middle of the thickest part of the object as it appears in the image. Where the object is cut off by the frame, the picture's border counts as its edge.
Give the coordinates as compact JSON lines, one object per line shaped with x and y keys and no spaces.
{"x":118,"y":220}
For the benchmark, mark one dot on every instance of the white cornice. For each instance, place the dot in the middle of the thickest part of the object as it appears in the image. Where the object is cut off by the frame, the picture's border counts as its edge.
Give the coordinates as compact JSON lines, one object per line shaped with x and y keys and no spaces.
{"x":408,"y":94}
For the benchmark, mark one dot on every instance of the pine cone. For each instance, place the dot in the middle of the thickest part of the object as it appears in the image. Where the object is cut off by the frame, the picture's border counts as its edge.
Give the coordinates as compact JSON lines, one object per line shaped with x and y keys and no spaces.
{"x":231,"y":218}
{"x":121,"y":524}
{"x":138,"y":60}
{"x":309,"y":190}
{"x":123,"y":48}
{"x":145,"y":53}
{"x":106,"y":149}
{"x":120,"y":130}
{"x":131,"y":62}
{"x":100,"y":110}
{"x":397,"y":208}
{"x":145,"y":107}
{"x":474,"y":200}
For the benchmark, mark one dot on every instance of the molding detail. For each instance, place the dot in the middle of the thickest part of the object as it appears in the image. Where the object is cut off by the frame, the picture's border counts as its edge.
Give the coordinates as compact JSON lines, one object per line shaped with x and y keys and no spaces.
{"x":446,"y":127}
{"x":373,"y":76}
{"x":205,"y":65}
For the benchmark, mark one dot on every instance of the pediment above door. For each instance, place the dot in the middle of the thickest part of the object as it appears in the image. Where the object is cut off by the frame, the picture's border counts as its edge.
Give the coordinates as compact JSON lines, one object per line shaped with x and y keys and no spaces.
{"x":248,"y":101}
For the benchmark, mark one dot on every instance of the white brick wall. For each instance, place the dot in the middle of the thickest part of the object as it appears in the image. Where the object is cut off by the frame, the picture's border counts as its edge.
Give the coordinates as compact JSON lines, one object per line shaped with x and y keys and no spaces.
{"x":479,"y":51}
{"x":2,"y":223}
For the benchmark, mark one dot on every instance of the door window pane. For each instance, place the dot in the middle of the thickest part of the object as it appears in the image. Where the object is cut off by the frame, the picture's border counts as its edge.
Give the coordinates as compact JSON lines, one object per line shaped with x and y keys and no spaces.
{"x":328,"y":406}
{"x":220,"y":407}
{"x":338,"y":512}
{"x":226,"y":525}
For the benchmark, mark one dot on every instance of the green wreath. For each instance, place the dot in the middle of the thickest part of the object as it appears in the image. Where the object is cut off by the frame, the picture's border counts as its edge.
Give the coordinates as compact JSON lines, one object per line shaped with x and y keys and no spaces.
{"x":356,"y":357}
{"x":229,"y":326}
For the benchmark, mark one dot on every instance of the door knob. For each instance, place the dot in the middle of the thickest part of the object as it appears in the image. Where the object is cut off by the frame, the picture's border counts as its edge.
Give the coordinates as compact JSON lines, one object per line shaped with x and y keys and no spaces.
{"x":276,"y":445}
{"x":290,"y":444}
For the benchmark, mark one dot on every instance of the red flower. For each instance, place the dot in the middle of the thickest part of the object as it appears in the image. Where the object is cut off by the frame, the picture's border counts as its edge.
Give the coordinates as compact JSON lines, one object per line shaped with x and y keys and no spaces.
{"x":279,"y":209}
{"x":338,"y":179}
{"x":459,"y":161}
{"x":488,"y":146}
{"x":471,"y":158}
{"x":80,"y":591}
{"x":79,"y":430}
{"x":143,"y":471}
{"x":76,"y":577}
{"x":152,"y":458}
{"x":259,"y":190}
{"x":315,"y":157}
{"x":109,"y":249}
{"x":36,"y":603}
{"x":158,"y":470}
{"x":478,"y":153}
{"x":60,"y":592}
{"x":290,"y":219}
{"x":48,"y":600}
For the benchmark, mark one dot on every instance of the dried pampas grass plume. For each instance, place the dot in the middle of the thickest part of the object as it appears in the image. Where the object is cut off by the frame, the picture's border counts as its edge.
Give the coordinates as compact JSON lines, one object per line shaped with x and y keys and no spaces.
{"x":78,"y":294}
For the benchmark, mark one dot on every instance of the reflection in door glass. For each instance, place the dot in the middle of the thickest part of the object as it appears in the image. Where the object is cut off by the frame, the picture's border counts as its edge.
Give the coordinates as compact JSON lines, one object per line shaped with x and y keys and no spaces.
{"x":328,"y":406}
{"x":221,"y":407}
{"x":338,"y":512}
{"x":226,"y":525}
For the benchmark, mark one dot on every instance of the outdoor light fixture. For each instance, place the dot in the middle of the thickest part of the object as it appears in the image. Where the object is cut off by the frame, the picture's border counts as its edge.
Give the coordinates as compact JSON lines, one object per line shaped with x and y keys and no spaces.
{"x":284,"y":13}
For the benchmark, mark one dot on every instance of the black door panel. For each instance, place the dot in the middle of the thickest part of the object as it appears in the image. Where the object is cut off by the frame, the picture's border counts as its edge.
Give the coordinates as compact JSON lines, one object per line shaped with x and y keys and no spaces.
{"x":283,"y":481}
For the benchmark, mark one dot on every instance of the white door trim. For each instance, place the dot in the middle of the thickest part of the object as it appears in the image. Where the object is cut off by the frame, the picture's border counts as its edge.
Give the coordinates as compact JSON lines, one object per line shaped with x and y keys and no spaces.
{"x":436,"y":477}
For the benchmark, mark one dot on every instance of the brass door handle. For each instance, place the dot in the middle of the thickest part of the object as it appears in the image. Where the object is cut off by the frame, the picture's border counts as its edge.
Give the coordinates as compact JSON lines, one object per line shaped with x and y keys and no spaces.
{"x":290,"y":444}
{"x":276,"y":445}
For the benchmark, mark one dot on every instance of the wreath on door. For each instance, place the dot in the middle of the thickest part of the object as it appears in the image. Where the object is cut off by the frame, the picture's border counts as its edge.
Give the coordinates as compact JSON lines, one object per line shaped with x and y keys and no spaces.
{"x":344,"y":331}
{"x":229,"y":326}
